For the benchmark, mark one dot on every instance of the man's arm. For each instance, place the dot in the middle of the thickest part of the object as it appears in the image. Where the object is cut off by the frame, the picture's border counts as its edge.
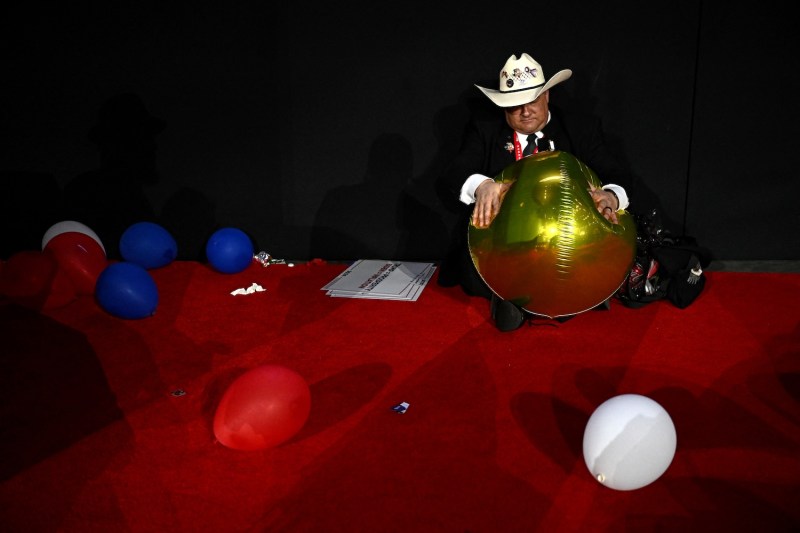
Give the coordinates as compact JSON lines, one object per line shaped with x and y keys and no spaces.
{"x":480,"y":155}
{"x":488,"y":198}
{"x":606,"y":203}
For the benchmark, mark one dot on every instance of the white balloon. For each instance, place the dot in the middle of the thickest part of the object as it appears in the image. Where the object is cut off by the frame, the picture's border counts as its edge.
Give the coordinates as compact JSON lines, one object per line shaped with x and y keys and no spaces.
{"x":629,"y":442}
{"x":66,"y":226}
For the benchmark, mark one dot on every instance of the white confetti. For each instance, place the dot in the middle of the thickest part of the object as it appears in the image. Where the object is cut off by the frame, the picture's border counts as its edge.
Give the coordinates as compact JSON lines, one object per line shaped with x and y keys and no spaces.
{"x":255,"y":287}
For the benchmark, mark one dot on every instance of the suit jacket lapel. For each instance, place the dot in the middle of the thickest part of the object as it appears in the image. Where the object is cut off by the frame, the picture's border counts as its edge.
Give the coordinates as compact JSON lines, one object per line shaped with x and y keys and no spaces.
{"x":505,"y":146}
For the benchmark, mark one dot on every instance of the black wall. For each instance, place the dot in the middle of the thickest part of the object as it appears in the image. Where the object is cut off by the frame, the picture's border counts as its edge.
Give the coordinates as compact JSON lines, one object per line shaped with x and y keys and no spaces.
{"x":319,"y":128}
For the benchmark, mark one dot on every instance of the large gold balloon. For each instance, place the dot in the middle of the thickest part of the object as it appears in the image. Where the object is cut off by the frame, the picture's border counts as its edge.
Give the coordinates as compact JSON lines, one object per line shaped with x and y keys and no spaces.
{"x":549,"y":250}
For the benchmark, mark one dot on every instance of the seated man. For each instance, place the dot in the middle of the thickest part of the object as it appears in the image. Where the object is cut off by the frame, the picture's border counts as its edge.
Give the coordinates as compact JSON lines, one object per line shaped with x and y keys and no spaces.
{"x":527,"y":125}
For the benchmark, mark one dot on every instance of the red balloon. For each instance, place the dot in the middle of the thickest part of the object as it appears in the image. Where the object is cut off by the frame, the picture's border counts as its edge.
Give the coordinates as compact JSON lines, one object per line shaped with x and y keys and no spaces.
{"x":80,"y":257}
{"x":33,"y":279}
{"x":262,"y":408}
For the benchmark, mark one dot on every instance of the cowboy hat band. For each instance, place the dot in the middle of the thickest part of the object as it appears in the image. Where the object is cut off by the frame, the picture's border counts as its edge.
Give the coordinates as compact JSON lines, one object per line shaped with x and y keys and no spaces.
{"x":522,"y":81}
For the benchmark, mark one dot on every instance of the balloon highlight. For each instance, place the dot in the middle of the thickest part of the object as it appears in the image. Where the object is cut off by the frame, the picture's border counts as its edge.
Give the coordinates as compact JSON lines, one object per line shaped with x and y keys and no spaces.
{"x":126,"y":290}
{"x":549,"y":250}
{"x":629,"y":442}
{"x":148,"y":244}
{"x":70,"y":225}
{"x":262,"y":408}
{"x":80,"y":257}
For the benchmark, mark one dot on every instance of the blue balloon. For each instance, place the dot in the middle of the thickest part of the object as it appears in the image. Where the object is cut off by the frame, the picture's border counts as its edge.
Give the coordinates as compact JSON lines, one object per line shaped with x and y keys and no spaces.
{"x":148,"y":245}
{"x":229,"y":250}
{"x":126,"y":290}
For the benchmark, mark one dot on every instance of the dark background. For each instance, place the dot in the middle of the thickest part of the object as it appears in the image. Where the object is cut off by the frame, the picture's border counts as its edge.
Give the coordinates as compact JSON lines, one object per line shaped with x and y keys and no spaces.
{"x":320,"y":128}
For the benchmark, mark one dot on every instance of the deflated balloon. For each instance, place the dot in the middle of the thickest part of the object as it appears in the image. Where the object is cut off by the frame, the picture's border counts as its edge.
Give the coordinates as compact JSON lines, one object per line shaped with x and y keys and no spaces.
{"x":549,"y":250}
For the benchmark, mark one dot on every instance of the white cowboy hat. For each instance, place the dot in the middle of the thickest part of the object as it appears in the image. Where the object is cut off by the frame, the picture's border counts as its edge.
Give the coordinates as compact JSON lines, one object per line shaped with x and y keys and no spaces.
{"x":521,"y":81}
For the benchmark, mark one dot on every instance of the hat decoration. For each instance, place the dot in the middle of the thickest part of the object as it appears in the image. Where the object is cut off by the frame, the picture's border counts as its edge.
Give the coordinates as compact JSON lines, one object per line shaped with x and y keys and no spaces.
{"x":522,"y":80}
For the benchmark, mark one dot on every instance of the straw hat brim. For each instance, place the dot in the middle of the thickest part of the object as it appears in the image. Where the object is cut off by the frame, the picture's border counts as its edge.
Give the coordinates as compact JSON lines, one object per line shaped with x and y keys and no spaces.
{"x":524,"y":96}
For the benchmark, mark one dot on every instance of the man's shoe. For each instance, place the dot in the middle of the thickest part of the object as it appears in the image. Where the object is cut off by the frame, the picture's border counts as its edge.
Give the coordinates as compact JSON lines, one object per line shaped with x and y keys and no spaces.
{"x":506,"y":315}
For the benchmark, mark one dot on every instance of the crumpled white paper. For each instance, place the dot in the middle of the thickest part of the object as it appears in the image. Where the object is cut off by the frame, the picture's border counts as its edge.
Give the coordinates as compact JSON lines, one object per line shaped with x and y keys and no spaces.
{"x":255,"y":287}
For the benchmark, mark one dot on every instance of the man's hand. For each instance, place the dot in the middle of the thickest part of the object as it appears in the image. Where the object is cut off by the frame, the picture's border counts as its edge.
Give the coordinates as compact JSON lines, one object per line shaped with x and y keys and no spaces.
{"x":488,"y":198}
{"x":606,"y":203}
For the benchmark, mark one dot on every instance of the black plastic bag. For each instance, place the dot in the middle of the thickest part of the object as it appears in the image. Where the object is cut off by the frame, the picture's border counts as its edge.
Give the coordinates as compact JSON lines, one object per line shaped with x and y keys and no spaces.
{"x":665,"y":266}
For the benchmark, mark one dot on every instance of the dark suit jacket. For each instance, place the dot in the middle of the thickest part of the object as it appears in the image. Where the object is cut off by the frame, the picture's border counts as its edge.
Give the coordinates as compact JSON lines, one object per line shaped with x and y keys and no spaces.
{"x":485,"y":150}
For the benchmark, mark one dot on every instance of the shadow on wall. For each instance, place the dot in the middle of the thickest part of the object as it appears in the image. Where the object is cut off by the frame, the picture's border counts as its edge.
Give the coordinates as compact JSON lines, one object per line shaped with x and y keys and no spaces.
{"x":112,"y":197}
{"x":644,"y":200}
{"x":387,"y":216}
{"x":450,"y":126}
{"x":189,"y":216}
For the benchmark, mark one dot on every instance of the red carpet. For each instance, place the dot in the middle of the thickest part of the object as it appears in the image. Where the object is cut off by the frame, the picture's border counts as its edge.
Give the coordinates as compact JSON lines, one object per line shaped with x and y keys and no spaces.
{"x":94,"y":440}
